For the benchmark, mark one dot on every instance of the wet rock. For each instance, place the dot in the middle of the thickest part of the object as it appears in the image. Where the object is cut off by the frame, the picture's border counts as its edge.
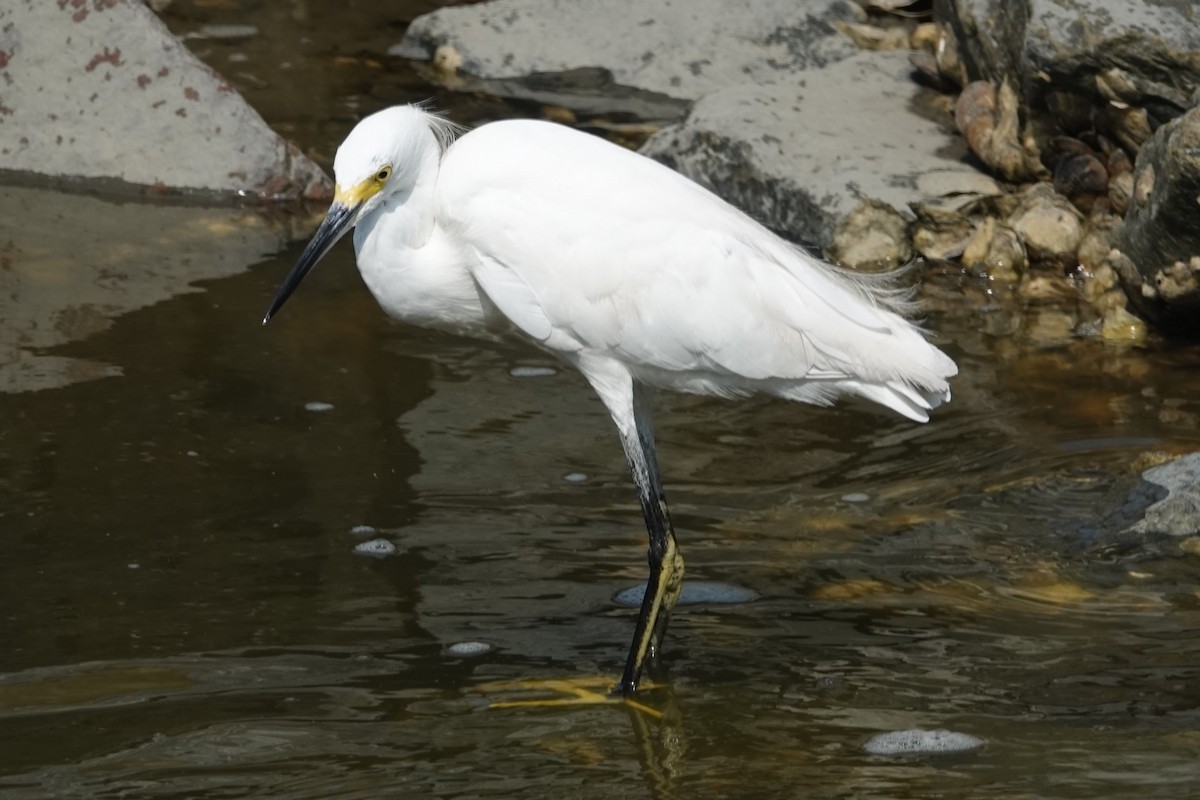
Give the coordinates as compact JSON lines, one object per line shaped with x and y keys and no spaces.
{"x":792,"y":156}
{"x":1048,"y":224}
{"x":682,"y":50}
{"x":1121,"y":327}
{"x":1158,"y":244}
{"x":1177,"y":514}
{"x":1100,"y":233}
{"x":941,"y":232}
{"x":102,"y":90}
{"x":996,"y":249}
{"x":989,"y":119}
{"x":874,"y":235}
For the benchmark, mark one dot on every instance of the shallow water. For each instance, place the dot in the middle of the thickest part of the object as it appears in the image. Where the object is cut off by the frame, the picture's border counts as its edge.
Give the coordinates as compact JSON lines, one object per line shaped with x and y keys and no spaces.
{"x":184,"y":613}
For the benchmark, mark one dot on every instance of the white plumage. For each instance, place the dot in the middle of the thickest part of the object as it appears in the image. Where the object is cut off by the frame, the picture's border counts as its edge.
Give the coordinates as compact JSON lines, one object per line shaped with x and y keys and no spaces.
{"x":623,"y":268}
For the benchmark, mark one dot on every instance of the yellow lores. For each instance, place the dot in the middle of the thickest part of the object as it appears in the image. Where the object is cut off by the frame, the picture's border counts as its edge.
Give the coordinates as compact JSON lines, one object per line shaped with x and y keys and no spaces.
{"x":362,"y":191}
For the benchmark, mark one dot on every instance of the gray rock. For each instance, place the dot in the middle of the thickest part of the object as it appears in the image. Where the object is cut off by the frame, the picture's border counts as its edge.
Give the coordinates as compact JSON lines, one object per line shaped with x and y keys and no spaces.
{"x":102,"y":90}
{"x":1177,"y":514}
{"x":1157,"y":252}
{"x":804,"y":155}
{"x":1139,"y":54}
{"x":989,"y":36}
{"x":679,"y":48}
{"x":1122,"y":68}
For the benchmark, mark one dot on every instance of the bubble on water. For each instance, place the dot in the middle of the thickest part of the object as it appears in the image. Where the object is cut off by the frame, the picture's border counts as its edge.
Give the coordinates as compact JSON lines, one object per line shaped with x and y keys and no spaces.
{"x":134,"y":565}
{"x":919,"y":741}
{"x":533,"y":372}
{"x":694,"y":593}
{"x":192,"y":454}
{"x":318,"y":406}
{"x":856,"y":497}
{"x":468,"y":649}
{"x":362,"y":530}
{"x":375,"y":548}
{"x":575,"y":477}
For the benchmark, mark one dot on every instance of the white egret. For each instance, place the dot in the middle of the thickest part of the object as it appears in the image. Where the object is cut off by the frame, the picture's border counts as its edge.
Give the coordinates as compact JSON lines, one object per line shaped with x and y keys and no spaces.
{"x":622,"y":268}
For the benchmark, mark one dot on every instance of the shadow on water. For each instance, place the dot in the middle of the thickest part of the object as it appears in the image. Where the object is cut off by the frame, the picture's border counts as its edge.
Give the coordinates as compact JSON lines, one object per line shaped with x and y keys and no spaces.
{"x":182,"y":493}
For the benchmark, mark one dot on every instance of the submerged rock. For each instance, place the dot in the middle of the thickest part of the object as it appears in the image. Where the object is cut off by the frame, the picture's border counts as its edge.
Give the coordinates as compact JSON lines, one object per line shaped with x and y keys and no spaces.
{"x":1177,"y":514}
{"x":103,"y":91}
{"x":920,"y":742}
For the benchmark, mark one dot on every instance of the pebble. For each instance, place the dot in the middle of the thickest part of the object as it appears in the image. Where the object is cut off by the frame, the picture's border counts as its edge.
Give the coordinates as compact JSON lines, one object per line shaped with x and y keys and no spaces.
{"x":375,"y":548}
{"x":467,"y":649}
{"x":919,"y":741}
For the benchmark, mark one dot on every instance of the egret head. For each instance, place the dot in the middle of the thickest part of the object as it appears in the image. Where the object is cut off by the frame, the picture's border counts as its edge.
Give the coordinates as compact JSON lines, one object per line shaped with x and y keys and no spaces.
{"x":383,"y":156}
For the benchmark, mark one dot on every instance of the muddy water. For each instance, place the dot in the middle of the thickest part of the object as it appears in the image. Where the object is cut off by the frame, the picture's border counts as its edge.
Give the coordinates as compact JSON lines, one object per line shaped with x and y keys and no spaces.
{"x":183,"y":612}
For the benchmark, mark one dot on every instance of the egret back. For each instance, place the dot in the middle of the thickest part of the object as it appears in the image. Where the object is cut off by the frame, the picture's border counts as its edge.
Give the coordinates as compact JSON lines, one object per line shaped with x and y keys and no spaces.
{"x":592,"y":249}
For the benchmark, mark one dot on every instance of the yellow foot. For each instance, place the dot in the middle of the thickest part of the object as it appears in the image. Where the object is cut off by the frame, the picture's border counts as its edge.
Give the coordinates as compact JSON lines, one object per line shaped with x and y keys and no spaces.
{"x":569,"y":691}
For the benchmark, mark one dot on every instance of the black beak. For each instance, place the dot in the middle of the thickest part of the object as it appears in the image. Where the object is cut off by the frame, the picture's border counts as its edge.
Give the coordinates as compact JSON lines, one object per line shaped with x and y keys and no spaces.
{"x":339,"y":220}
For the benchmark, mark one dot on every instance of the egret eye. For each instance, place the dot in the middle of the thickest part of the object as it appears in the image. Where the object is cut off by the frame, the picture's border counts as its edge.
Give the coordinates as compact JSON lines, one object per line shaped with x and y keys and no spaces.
{"x":383,"y":175}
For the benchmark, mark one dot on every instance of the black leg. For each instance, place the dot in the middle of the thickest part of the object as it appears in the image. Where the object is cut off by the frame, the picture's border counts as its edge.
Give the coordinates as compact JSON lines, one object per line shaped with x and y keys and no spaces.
{"x":666,"y":563}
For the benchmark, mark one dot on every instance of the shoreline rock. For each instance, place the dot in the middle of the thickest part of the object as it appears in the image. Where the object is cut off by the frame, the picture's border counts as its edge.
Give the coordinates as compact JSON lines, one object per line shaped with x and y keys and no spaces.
{"x":103,"y":92}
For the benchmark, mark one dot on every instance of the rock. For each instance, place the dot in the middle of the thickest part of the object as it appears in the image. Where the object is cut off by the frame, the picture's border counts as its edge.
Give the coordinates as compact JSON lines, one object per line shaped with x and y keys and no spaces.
{"x":873,"y":37}
{"x":1121,"y":327}
{"x":941,"y":231}
{"x":1048,"y":224}
{"x":1078,"y":172}
{"x":1138,"y":63}
{"x":987,"y":37}
{"x":793,"y":155}
{"x":102,"y":90}
{"x":1177,"y":514}
{"x":1097,"y":242}
{"x":997,"y":249}
{"x":679,"y":49}
{"x":988,"y":118}
{"x":874,"y":235}
{"x":1158,"y":243}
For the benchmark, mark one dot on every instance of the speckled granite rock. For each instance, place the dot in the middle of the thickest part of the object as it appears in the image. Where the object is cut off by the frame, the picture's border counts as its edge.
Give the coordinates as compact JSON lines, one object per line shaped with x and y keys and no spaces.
{"x":102,"y":90}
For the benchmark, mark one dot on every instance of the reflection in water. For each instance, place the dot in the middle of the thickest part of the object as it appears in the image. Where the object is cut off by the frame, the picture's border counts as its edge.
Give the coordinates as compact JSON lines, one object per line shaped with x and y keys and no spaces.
{"x":72,"y":263}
